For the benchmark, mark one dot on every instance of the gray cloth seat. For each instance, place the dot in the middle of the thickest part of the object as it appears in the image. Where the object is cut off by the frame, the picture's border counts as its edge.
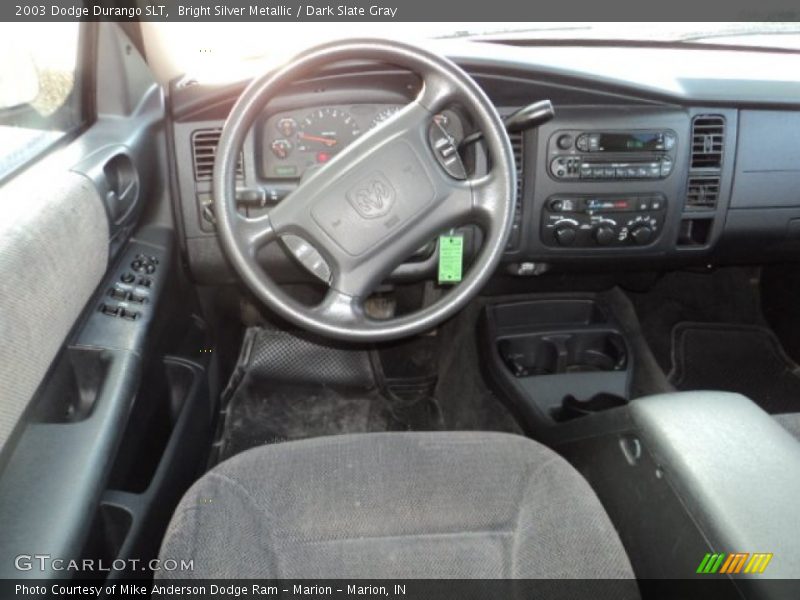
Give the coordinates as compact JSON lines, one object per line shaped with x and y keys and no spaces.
{"x":396,"y":505}
{"x":790,"y":422}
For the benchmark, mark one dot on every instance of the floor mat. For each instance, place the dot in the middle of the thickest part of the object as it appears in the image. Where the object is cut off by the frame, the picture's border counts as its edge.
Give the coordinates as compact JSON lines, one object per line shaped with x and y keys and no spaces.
{"x":260,"y":415}
{"x":736,"y":358}
{"x":290,"y":386}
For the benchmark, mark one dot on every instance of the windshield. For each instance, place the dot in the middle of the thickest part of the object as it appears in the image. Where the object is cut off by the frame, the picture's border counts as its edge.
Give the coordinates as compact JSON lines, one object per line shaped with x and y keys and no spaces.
{"x":225,"y":52}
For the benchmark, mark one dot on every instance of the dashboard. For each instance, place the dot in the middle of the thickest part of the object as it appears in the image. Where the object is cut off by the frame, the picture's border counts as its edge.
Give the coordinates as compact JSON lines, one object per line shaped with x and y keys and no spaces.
{"x":641,"y":167}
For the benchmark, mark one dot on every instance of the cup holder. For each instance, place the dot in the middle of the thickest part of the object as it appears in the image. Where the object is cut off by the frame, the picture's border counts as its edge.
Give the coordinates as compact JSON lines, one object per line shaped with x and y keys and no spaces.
{"x":530,"y":355}
{"x":591,"y":352}
{"x":569,"y":352}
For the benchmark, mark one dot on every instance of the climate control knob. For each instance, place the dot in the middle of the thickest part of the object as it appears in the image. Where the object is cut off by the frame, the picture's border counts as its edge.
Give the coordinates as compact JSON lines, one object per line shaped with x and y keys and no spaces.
{"x":604,"y":235}
{"x":641,"y":234}
{"x":565,"y":235}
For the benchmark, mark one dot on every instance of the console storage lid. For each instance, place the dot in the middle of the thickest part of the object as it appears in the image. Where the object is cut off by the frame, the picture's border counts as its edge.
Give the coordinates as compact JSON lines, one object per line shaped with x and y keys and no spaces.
{"x":737,"y":472}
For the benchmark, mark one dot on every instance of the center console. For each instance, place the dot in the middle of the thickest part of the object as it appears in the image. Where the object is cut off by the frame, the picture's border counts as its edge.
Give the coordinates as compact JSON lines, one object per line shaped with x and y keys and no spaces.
{"x":613,"y":183}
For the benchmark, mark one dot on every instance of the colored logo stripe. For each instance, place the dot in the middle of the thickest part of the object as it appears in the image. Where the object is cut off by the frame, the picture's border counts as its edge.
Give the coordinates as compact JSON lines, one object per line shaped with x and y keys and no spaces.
{"x":711,"y":563}
{"x":734,"y":563}
{"x":721,"y":562}
{"x":758,"y":562}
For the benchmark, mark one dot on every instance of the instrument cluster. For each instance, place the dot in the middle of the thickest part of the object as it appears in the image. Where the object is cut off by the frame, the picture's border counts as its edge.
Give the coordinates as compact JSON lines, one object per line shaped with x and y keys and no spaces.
{"x":294,"y":141}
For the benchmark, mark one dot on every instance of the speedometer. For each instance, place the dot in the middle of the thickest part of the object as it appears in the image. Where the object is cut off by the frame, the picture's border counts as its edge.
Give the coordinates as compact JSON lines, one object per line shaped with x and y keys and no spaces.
{"x":325,"y":132}
{"x":383,"y":115}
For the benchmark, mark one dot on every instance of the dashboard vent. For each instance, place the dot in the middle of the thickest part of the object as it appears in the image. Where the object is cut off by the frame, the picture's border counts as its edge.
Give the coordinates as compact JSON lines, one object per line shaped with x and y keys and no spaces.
{"x":204,"y":151}
{"x":708,"y":137}
{"x":702,"y":192}
{"x":517,"y":144}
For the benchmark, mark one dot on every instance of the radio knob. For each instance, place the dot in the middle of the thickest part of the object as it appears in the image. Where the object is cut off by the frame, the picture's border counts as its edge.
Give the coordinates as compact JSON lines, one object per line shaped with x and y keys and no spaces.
{"x":564,"y":141}
{"x":641,"y":234}
{"x":604,"y":235}
{"x":565,"y":235}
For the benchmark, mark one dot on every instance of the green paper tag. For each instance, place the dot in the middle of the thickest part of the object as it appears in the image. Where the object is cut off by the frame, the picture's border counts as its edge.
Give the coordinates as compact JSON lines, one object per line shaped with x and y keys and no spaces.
{"x":451,"y":258}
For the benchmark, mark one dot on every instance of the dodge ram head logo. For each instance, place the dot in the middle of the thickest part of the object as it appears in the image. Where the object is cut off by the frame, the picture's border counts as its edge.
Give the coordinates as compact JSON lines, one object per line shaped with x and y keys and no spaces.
{"x":373,"y":197}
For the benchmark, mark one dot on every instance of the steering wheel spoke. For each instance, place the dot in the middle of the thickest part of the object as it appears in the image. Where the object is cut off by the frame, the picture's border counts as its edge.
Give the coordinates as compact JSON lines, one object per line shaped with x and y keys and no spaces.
{"x":341,"y":308}
{"x":255,"y":233}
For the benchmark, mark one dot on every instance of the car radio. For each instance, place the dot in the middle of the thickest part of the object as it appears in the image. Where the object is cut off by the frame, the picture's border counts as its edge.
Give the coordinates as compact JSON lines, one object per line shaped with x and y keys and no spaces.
{"x":603,"y":220}
{"x":618,"y":155}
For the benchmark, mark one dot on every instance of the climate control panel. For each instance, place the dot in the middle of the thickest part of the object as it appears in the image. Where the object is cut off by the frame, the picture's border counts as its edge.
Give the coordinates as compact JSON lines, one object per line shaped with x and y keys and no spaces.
{"x":585,"y":221}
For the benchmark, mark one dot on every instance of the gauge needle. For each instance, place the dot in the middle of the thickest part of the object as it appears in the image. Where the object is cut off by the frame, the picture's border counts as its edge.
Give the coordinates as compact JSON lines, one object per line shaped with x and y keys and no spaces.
{"x":315,"y":138}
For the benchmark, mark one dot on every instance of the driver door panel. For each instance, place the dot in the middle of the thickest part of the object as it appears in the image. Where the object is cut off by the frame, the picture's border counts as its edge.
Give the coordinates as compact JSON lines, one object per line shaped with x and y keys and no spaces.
{"x":85,"y":229}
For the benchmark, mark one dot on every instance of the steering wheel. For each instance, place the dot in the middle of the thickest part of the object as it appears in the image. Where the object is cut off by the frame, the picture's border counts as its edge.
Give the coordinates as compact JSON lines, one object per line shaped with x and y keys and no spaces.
{"x":370,"y":207}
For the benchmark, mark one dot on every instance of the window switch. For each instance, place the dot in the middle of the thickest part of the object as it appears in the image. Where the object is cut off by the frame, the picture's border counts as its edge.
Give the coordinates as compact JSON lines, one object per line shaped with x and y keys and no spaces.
{"x":130,"y":315}
{"x":110,"y":310}
{"x":137,"y":298}
{"x":118,"y":294}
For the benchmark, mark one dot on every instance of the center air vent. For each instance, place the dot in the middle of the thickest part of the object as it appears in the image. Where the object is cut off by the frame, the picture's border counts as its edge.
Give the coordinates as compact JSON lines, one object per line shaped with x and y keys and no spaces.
{"x":702,"y":192}
{"x":204,"y":151}
{"x":516,"y":146}
{"x":708,"y":137}
{"x":517,"y":143}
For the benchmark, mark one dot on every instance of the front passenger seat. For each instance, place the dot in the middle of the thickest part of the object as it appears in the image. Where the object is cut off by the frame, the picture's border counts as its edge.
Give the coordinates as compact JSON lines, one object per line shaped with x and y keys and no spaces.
{"x":397,"y":505}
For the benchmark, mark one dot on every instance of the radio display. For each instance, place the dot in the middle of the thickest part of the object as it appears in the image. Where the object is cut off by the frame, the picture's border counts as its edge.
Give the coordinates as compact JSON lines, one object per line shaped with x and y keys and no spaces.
{"x":631,"y":142}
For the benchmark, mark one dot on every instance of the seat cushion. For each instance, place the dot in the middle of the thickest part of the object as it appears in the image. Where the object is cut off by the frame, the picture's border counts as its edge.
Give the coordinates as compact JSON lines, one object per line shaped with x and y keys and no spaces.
{"x":396,"y":505}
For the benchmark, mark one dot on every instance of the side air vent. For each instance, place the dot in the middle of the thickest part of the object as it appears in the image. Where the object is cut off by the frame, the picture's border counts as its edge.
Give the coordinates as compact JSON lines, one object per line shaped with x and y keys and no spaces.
{"x":204,"y":151}
{"x":708,"y":138}
{"x":702,"y":192}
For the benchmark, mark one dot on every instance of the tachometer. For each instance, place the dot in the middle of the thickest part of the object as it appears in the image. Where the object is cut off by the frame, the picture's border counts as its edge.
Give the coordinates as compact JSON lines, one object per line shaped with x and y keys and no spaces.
{"x":325,"y":132}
